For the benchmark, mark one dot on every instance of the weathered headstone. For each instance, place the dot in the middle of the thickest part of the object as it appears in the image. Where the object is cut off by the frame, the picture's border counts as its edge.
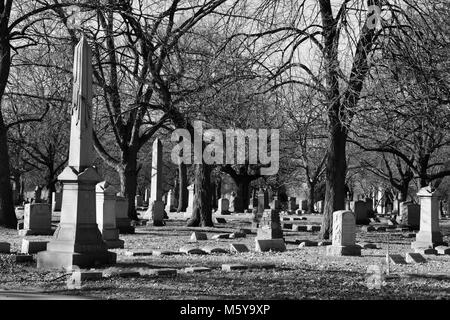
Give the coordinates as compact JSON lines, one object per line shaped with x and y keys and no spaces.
{"x":78,"y":241}
{"x":261,"y":201}
{"x":275,"y":204}
{"x":223,"y":206}
{"x":361,"y":214}
{"x":33,"y":246}
{"x":138,"y":201}
{"x":343,"y":243}
{"x":266,"y":199}
{"x":270,"y":226}
{"x":397,"y":259}
{"x":304,"y":205}
{"x":5,"y":247}
{"x":410,"y":215}
{"x":292,"y":205}
{"x":106,"y":215}
{"x":190,"y":207}
{"x":439,"y":250}
{"x":221,"y":236}
{"x":37,"y":219}
{"x":429,"y":235}
{"x":155,"y":209}
{"x":238,"y":248}
{"x":415,"y":258}
{"x":123,"y":222}
{"x":198,"y":236}
{"x":146,"y":195}
{"x":369,"y":207}
{"x":171,"y":204}
{"x":56,"y":201}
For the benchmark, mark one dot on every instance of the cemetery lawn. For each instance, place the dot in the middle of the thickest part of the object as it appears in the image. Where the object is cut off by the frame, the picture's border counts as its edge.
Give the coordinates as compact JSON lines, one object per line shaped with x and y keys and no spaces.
{"x":298,"y":273}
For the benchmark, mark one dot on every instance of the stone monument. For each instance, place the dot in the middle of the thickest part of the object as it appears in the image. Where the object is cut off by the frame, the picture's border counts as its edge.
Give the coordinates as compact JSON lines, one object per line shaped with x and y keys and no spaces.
{"x":78,"y":241}
{"x":343,"y":243}
{"x":106,"y":215}
{"x":190,"y":207}
{"x":429,"y":235}
{"x":37,"y":219}
{"x":155,"y":209}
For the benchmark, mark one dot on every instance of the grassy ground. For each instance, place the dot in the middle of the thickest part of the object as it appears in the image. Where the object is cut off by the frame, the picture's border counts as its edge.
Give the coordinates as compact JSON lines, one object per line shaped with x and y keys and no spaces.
{"x":299,"y":273}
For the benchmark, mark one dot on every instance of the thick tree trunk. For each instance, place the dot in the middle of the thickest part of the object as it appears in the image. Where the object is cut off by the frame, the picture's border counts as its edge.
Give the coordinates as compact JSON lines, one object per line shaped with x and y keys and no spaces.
{"x":18,"y":184}
{"x":183,"y":191}
{"x":202,"y":212}
{"x":311,"y":197}
{"x":335,"y":174}
{"x":128,"y":181}
{"x":243,"y":185}
{"x":7,"y":215}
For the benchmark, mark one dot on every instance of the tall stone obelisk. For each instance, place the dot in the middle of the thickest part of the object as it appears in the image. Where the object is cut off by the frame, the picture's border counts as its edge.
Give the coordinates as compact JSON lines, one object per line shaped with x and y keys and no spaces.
{"x":78,"y":241}
{"x":155,"y":209}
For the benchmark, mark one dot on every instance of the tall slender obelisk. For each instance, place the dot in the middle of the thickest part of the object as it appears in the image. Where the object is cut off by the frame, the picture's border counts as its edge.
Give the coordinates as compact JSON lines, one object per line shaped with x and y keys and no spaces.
{"x":78,"y":241}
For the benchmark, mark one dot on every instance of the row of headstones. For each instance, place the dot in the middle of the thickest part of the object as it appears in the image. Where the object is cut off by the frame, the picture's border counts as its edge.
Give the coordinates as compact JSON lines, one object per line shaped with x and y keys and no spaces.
{"x":111,"y":213}
{"x":344,"y":227}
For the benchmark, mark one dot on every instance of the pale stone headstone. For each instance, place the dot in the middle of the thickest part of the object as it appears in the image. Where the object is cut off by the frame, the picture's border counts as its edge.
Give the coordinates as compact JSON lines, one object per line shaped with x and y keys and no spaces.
{"x":270,"y":226}
{"x":439,"y":249}
{"x":319,"y":206}
{"x":146,"y":195}
{"x":77,"y":240}
{"x":232,"y":202}
{"x":37,"y":219}
{"x":155,"y":209}
{"x":123,"y":222}
{"x":223,"y":206}
{"x":261,"y":201}
{"x":343,"y":238}
{"x":56,"y":201}
{"x":37,"y":194}
{"x":275,"y":204}
{"x":106,"y":215}
{"x":171,"y":204}
{"x":429,"y":235}
{"x":190,"y":207}
{"x":410,"y":215}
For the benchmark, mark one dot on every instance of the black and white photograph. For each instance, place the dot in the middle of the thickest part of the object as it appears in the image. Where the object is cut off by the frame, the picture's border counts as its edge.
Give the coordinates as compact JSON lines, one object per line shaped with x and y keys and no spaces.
{"x":223,"y":156}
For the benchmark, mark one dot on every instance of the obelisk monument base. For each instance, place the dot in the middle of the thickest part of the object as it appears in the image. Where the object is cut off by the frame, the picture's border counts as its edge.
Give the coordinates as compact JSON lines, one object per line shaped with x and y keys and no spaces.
{"x":77,"y":241}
